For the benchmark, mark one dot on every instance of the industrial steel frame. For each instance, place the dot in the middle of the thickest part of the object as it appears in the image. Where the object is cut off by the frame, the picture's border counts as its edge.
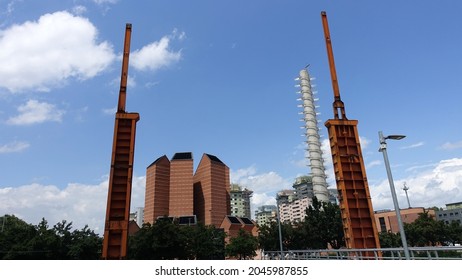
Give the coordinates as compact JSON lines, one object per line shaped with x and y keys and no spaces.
{"x":350,"y":174}
{"x":120,"y":180}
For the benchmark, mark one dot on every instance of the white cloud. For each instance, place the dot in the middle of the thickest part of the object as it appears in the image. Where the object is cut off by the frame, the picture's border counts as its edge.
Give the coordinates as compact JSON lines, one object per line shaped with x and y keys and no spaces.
{"x":364,"y":142}
{"x":14,"y":147}
{"x":451,"y":146}
{"x":45,"y":53}
{"x":178,"y":35}
{"x":100,"y":2}
{"x":79,"y":10}
{"x":432,"y":187}
{"x":80,"y":204}
{"x":264,"y":185}
{"x":155,"y":55}
{"x":110,"y":111}
{"x":264,"y":182}
{"x":373,"y":163}
{"x":36,"y":112}
{"x":242,"y":173}
{"x":416,"y":145}
{"x":260,"y":199}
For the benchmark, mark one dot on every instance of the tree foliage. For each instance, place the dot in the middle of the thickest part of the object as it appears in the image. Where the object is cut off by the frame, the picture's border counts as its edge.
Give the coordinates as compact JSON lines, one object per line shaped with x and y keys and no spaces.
{"x":19,"y":240}
{"x":389,"y":240}
{"x":426,"y":231}
{"x":243,"y":246}
{"x":321,"y":228}
{"x":167,"y":240}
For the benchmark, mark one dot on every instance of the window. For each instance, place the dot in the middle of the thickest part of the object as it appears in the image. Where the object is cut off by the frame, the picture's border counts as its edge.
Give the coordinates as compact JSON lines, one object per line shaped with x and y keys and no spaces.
{"x":383,"y":226}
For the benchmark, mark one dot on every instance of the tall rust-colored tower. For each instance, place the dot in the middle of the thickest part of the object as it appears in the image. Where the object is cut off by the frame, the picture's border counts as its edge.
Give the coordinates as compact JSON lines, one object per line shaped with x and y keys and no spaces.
{"x":120,"y":180}
{"x":350,"y":173}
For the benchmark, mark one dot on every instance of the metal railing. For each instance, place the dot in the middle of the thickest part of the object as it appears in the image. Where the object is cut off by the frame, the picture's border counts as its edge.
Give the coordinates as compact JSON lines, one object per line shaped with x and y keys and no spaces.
{"x":416,"y":253}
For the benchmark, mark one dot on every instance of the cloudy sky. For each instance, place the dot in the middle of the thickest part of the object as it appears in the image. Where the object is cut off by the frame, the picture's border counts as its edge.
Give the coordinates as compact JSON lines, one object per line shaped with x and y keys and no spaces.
{"x":218,"y":77}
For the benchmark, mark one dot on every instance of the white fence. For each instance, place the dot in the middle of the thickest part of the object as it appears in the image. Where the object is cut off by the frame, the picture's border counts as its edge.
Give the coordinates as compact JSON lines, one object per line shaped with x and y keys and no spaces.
{"x":416,"y":253}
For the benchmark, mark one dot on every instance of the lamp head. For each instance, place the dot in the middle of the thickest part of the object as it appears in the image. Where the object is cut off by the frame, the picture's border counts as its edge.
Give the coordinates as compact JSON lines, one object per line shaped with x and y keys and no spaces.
{"x":395,"y":137}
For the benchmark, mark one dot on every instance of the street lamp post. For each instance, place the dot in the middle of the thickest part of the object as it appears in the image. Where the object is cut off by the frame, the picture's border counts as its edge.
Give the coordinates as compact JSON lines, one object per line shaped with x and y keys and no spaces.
{"x":383,"y":149}
{"x":279,"y":229}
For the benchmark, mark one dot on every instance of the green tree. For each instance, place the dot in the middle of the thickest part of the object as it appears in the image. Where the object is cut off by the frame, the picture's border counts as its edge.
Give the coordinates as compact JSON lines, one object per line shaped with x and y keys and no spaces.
{"x":15,"y":236}
{"x":171,"y":241}
{"x":140,"y":246}
{"x":426,"y":231}
{"x":207,"y":242}
{"x":85,"y":245}
{"x":292,"y":237}
{"x":389,"y":240}
{"x":323,"y":225}
{"x":45,"y":243}
{"x":243,"y":246}
{"x":268,"y":237}
{"x":19,"y":240}
{"x":167,"y":240}
{"x":454,"y":232}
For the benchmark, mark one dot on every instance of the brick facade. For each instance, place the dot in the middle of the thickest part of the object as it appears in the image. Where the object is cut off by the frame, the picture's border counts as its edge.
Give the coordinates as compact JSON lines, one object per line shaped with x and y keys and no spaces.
{"x":173,"y":190}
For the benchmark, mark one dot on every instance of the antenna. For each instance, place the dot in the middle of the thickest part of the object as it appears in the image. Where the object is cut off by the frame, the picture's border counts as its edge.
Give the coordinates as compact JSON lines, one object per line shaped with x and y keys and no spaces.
{"x":406,"y":188}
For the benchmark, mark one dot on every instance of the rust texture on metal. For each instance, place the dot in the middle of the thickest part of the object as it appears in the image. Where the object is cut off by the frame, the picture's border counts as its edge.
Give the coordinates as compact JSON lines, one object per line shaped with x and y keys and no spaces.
{"x":350,"y":174}
{"x":124,"y":74}
{"x":338,"y":103}
{"x":353,"y":190}
{"x":120,"y":179}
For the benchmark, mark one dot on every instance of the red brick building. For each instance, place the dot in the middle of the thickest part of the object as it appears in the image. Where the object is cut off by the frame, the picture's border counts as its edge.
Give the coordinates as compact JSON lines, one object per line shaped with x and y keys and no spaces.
{"x":181,"y":201}
{"x":157,"y":190}
{"x":386,"y":220}
{"x":211,"y":191}
{"x":172,"y":189}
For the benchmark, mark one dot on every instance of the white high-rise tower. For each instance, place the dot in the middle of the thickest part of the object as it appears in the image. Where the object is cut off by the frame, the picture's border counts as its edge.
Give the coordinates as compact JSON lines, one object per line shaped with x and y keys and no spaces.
{"x":312,"y":138}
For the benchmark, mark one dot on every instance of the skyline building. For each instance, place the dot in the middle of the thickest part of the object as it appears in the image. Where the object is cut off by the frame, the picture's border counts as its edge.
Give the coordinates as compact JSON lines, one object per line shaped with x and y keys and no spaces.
{"x":240,"y":201}
{"x":174,"y":190}
{"x":181,"y":197}
{"x":157,"y":190}
{"x":266,"y":214}
{"x":211,"y":190}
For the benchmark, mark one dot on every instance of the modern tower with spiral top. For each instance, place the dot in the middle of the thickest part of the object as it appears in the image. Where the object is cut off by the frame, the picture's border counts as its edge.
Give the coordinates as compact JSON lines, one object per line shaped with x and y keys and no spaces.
{"x":313,"y":141}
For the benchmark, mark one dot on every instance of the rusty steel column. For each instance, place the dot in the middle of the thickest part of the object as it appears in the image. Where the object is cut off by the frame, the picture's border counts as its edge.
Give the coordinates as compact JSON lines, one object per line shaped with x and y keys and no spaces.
{"x":350,"y":174}
{"x":115,"y":240}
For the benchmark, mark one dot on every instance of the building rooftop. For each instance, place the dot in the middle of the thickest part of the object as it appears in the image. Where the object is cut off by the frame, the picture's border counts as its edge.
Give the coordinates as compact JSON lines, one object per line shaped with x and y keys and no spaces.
{"x":214,"y":158}
{"x":157,"y":160}
{"x":233,"y":220}
{"x":246,"y":221}
{"x":178,"y":156}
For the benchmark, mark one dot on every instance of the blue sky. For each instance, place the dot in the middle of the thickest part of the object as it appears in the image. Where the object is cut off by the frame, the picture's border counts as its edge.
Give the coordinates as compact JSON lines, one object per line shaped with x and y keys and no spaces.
{"x":218,"y":77}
